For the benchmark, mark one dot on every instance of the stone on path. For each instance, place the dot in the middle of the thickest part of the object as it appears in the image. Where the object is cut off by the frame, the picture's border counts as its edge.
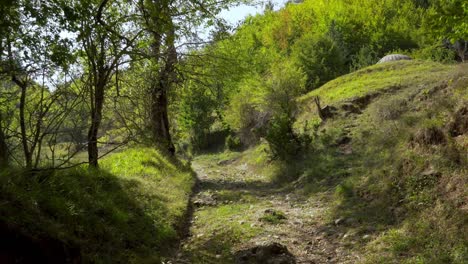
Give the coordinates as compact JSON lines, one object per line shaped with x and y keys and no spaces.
{"x":273,"y":253}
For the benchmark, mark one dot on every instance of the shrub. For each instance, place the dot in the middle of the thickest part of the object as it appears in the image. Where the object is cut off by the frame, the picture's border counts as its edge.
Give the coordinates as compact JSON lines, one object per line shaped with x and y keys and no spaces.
{"x":285,"y":83}
{"x":233,"y":142}
{"x":391,"y":109}
{"x":320,"y":58}
{"x":284,"y":142}
{"x":365,"y":57}
{"x":429,"y":136}
{"x":435,"y":53}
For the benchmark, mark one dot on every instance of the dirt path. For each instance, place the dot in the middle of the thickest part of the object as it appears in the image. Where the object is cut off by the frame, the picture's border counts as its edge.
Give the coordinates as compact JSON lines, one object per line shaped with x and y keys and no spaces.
{"x":236,"y":209}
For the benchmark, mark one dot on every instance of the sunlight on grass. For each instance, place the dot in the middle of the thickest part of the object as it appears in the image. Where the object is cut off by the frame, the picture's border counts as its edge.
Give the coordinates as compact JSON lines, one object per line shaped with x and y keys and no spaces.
{"x":133,"y":205}
{"x":380,"y":77}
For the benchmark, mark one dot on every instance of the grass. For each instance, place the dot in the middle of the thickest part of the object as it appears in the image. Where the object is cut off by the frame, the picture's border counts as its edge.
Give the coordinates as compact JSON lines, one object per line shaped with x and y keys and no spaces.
{"x":128,"y":211}
{"x":380,"y":77}
{"x":410,"y":196}
{"x":223,"y":228}
{"x":273,"y":217}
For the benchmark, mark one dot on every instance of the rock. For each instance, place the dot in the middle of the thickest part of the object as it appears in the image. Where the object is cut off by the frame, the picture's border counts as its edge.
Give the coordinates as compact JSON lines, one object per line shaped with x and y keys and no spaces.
{"x":298,"y":222}
{"x":225,"y":162}
{"x":430,"y":172}
{"x":339,"y":221}
{"x":394,"y":57}
{"x":348,"y":235}
{"x":218,"y":256}
{"x":273,"y":216}
{"x":205,"y":199}
{"x":273,"y":253}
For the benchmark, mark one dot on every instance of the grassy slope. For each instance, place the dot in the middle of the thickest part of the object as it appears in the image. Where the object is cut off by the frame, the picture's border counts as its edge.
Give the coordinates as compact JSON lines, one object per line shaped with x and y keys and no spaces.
{"x":411,"y":198}
{"x":375,"y":79}
{"x":126,"y":212}
{"x":380,"y":77}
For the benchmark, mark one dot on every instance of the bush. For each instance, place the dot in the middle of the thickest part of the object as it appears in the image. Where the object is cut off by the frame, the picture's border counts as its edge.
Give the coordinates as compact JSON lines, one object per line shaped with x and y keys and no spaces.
{"x":435,"y":53}
{"x":391,"y":109}
{"x":365,"y":57}
{"x":320,"y":58}
{"x":233,"y":143}
{"x":284,"y":142}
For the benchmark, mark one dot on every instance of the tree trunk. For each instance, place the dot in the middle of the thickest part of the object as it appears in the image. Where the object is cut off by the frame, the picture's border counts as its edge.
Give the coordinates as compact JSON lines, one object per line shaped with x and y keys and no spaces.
{"x":4,"y":154}
{"x":24,"y":137}
{"x":160,"y":87}
{"x":159,"y":116}
{"x":96,"y":118}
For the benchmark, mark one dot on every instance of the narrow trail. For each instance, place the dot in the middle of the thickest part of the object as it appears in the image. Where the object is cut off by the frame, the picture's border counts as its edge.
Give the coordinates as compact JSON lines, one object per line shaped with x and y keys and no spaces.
{"x":229,"y":215}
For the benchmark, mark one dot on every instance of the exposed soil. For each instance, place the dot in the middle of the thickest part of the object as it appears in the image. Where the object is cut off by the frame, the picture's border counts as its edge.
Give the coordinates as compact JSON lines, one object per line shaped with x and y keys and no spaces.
{"x":304,"y":229}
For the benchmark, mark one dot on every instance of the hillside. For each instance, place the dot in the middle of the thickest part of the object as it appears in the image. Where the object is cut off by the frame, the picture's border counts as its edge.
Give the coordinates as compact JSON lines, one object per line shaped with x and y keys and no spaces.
{"x":384,"y":180}
{"x":130,"y":210}
{"x":401,"y":130}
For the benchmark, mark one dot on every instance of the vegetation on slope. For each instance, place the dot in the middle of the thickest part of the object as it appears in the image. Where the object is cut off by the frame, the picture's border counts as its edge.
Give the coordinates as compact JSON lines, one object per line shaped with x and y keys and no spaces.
{"x":397,"y":168}
{"x":392,"y":75}
{"x":383,"y":181}
{"x":130,"y":210}
{"x":317,"y":41}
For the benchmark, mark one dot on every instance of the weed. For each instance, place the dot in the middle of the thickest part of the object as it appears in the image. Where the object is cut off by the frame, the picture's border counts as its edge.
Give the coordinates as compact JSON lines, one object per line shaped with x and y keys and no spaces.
{"x":273,"y":217}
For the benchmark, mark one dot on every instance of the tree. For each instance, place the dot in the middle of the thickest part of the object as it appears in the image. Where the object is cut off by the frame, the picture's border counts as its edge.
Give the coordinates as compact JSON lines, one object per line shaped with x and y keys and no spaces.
{"x":159,"y":21}
{"x":321,"y":59}
{"x":105,"y":41}
{"x":449,"y":21}
{"x":4,"y":155}
{"x":30,"y":51}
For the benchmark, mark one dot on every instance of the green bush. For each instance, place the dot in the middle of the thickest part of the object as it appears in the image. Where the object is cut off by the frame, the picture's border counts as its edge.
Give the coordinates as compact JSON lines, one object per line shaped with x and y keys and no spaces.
{"x":435,"y":53}
{"x":233,"y":143}
{"x":320,"y":58}
{"x":284,"y":142}
{"x":365,"y":57}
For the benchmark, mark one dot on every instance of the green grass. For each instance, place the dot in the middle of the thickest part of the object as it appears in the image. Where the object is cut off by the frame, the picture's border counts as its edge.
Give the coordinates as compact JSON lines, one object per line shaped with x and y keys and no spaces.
{"x":128,"y":211}
{"x":380,"y":77}
{"x":416,"y":218}
{"x":382,"y":184}
{"x":273,"y":217}
{"x":222,"y":228}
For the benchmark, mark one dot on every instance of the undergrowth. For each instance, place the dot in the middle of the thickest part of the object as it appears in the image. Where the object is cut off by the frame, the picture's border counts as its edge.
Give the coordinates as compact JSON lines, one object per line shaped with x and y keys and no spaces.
{"x":128,"y":211}
{"x":402,"y":178}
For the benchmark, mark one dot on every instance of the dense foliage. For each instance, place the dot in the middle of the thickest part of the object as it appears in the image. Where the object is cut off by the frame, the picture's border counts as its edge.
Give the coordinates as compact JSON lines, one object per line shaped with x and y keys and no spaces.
{"x":323,"y":39}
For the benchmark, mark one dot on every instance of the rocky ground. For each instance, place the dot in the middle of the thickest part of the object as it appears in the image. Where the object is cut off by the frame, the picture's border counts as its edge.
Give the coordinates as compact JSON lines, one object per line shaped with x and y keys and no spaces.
{"x":242,"y":217}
